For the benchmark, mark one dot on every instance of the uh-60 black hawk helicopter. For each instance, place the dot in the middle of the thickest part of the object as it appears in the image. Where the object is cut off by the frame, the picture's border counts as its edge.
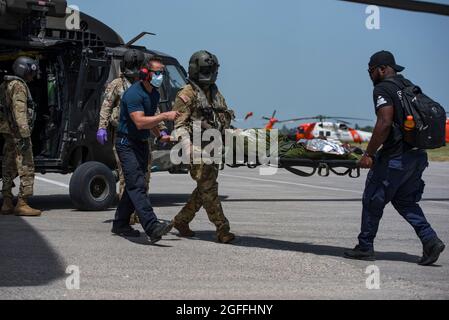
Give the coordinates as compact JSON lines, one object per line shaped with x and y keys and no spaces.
{"x":75,"y":64}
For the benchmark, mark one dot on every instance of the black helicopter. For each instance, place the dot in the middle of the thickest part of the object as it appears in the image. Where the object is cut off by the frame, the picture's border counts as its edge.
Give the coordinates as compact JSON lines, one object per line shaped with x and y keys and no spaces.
{"x":75,"y":65}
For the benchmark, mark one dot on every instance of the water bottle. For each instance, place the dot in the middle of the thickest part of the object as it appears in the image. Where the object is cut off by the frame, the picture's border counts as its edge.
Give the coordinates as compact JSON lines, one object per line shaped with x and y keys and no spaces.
{"x":409,"y":130}
{"x":409,"y":124}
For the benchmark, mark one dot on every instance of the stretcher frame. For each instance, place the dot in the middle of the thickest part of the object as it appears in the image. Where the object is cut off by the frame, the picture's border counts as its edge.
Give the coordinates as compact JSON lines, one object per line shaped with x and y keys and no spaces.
{"x":322,"y":167}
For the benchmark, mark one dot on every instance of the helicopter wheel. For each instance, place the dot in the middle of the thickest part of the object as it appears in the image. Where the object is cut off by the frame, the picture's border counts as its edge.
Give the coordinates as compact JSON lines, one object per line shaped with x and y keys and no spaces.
{"x":93,"y":187}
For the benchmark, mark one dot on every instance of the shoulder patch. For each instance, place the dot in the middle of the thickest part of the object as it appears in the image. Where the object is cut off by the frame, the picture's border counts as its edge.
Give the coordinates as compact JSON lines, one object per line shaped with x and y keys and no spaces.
{"x":184,"y":98}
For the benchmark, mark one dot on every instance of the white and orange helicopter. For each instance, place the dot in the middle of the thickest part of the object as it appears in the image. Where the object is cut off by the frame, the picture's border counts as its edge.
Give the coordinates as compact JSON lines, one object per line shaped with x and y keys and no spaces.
{"x":337,"y":131}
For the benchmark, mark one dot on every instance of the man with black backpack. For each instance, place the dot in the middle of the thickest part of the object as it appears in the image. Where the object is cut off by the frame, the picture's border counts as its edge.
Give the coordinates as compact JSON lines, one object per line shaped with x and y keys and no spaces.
{"x":408,"y":122}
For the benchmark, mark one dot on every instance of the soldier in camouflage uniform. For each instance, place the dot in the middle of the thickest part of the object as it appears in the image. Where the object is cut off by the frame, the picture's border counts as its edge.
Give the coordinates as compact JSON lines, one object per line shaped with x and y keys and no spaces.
{"x":110,"y":111}
{"x":15,"y":126}
{"x":201,"y":101}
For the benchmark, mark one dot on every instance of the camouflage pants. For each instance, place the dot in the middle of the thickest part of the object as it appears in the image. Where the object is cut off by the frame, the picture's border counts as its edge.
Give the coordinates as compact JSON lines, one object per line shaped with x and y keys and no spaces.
{"x":120,"y":170}
{"x":17,"y":162}
{"x":205,"y":195}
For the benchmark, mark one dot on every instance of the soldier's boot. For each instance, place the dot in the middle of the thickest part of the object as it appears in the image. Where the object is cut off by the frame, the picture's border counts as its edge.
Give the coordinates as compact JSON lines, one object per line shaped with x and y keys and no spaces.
{"x":225,"y":237}
{"x":223,"y":234}
{"x":134,"y":219}
{"x":7,"y":207}
{"x":183,"y":228}
{"x":23,"y":209}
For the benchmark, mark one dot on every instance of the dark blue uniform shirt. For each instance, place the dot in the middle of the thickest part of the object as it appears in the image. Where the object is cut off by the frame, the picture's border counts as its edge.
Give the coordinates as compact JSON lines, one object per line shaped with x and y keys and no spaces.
{"x":388,"y":94}
{"x":136,"y":98}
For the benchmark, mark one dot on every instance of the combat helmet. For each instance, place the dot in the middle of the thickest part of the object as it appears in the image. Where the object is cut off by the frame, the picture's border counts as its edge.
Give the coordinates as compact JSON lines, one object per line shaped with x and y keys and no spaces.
{"x":132,"y":61}
{"x":203,"y":68}
{"x":24,"y":66}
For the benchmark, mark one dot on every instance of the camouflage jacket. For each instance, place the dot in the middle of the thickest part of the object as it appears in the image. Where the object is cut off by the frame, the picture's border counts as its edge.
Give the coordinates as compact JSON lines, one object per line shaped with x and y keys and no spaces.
{"x":110,"y":109}
{"x":14,"y":117}
{"x":209,"y":108}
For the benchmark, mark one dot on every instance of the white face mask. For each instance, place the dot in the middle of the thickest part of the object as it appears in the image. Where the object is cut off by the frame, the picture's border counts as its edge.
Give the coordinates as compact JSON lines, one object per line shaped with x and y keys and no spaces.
{"x":157,"y":81}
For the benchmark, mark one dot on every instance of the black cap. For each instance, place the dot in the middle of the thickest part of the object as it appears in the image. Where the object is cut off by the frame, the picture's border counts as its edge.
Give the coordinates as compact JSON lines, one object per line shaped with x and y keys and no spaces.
{"x":385,"y":58}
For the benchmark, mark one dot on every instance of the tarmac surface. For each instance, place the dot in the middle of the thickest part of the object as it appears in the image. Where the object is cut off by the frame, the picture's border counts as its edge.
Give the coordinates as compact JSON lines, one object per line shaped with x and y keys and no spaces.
{"x":291,"y":235}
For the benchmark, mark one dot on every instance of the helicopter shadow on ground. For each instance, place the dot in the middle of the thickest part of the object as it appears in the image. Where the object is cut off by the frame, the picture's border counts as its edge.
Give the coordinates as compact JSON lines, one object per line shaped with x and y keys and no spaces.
{"x":63,"y":202}
{"x":26,"y":258}
{"x":52,"y":202}
{"x":302,"y":247}
{"x":144,"y":241}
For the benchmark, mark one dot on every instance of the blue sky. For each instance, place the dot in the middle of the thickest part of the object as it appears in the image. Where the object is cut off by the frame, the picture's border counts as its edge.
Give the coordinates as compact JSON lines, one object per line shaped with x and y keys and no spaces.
{"x":301,"y":57}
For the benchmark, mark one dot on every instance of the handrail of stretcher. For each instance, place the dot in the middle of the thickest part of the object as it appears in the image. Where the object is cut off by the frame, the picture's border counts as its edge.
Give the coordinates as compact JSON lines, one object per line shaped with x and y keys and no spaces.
{"x":322,"y":167}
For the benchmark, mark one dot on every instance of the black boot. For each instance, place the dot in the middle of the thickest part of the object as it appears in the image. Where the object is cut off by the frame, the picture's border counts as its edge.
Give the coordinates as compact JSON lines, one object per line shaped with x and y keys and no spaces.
{"x":158,"y":230}
{"x":358,"y":254}
{"x":431,"y":252}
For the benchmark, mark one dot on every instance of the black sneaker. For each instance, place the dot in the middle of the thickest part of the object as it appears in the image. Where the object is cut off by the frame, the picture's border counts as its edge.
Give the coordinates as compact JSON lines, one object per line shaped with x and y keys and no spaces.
{"x":126,"y":232}
{"x":358,"y":254}
{"x":431,"y":252}
{"x":159,"y":229}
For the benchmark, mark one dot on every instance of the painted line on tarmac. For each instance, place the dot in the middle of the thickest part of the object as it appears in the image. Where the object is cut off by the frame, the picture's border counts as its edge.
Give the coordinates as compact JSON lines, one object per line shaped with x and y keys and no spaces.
{"x":292,"y":183}
{"x":437,"y":202}
{"x":56,"y":183}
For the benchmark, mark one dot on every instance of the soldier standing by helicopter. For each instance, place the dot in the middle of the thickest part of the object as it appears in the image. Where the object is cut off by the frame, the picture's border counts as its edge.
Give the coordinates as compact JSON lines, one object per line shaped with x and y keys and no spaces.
{"x":16,"y":121}
{"x":201,"y":101}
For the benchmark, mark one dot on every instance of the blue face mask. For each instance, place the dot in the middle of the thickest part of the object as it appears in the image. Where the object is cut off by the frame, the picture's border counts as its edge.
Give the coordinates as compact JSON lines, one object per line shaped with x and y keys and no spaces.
{"x":156,"y":81}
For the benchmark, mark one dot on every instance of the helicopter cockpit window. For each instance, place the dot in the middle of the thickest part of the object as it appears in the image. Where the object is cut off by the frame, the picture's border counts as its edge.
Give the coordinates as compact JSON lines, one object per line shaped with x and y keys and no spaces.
{"x":175,"y":77}
{"x":343,"y":127}
{"x":114,"y":71}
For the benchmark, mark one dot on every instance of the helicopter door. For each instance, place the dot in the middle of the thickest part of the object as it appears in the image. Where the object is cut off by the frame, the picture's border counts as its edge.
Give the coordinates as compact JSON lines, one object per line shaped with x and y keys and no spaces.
{"x":344,"y":133}
{"x":92,"y":77}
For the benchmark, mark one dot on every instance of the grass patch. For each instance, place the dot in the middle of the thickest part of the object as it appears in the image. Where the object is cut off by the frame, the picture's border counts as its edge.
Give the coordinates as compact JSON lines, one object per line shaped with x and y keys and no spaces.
{"x":439,"y":155}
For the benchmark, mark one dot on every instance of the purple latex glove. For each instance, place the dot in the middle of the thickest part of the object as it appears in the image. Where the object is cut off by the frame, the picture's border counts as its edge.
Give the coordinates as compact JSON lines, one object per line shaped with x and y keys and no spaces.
{"x":102,"y":136}
{"x":163,"y":134}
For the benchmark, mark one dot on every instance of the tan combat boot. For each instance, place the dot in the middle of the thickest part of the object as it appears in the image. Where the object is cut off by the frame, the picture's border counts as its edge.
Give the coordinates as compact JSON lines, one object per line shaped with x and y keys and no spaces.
{"x":184,"y":229}
{"x":134,"y":219}
{"x":7,"y":207}
{"x":24,"y":210}
{"x":225,"y":237}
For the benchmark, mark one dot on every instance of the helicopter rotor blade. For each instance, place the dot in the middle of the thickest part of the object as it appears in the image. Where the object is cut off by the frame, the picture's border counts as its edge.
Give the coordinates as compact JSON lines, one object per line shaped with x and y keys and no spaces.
{"x":297,"y":119}
{"x":417,"y":6}
{"x":343,"y":121}
{"x":348,"y":118}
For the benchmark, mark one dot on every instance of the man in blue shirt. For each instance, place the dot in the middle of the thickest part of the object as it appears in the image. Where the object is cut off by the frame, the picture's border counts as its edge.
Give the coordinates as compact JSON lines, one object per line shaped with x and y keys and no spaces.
{"x":137,"y":119}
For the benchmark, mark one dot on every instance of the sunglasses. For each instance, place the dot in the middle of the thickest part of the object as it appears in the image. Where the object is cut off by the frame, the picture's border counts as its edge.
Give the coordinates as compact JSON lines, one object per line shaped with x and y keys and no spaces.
{"x":158,"y":72}
{"x":372,"y":69}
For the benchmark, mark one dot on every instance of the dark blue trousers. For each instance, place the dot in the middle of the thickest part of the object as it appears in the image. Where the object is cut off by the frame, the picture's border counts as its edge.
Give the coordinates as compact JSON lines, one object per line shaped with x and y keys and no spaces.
{"x":133,"y":156}
{"x":399,"y":181}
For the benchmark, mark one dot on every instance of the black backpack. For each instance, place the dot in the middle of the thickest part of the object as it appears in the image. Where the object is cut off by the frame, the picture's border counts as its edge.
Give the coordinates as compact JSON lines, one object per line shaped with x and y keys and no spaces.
{"x":429,"y":116}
